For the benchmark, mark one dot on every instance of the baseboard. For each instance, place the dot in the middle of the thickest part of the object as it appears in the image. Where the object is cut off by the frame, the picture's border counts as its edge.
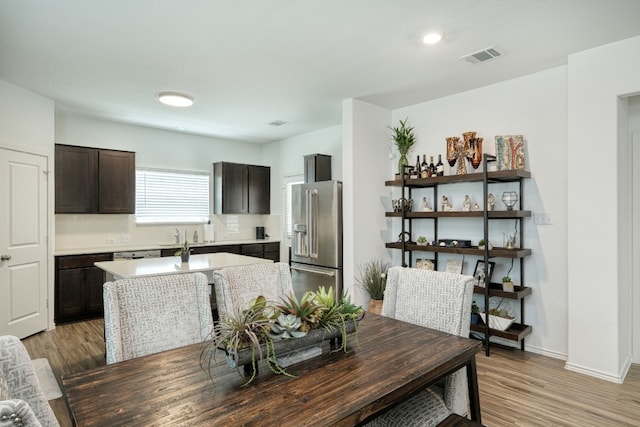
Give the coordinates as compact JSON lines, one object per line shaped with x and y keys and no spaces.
{"x":548,"y":353}
{"x":618,"y":379}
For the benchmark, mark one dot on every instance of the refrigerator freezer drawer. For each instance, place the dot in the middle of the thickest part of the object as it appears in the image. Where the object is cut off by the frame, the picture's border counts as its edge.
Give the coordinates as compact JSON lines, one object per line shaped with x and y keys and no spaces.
{"x":310,"y":277}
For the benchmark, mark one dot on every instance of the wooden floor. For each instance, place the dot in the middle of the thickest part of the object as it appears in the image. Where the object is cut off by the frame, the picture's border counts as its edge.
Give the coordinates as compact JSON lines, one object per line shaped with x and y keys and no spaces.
{"x":516,"y":388}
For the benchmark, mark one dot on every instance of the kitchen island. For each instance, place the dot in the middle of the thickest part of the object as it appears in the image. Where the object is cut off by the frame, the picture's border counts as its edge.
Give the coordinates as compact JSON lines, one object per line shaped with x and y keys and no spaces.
{"x":204,"y":263}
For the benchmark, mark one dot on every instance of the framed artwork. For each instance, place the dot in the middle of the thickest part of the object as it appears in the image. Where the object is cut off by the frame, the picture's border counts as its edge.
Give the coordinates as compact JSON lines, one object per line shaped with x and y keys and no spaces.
{"x":454,"y":266}
{"x":480,"y":272}
{"x":510,"y":152}
{"x":425,"y":264}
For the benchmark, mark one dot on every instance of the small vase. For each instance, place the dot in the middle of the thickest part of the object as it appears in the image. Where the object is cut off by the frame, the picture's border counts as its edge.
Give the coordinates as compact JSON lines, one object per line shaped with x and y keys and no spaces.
{"x":184,"y":257}
{"x":402,"y":162}
{"x":375,"y":306}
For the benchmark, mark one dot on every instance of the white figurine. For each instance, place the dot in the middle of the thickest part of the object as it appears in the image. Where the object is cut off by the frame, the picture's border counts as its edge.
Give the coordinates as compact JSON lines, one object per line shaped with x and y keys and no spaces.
{"x":446,"y":204}
{"x":426,"y":207}
{"x":491,"y":201}
{"x":476,"y":207}
{"x":466,"y":205}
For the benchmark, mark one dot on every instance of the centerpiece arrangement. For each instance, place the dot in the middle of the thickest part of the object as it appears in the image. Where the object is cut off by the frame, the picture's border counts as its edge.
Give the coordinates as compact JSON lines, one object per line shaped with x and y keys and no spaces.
{"x":265,"y":330}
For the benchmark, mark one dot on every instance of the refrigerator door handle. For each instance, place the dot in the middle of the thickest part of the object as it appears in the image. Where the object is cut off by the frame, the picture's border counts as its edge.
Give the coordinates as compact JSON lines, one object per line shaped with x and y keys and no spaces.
{"x":311,"y":270}
{"x":313,"y":210}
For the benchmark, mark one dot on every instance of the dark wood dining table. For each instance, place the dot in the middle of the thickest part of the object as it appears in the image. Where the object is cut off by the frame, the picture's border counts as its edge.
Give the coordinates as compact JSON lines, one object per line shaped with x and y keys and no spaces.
{"x":389,"y":361}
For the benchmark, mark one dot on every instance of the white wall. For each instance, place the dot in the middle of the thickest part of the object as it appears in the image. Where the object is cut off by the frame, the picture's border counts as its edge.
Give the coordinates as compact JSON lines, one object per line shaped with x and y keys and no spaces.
{"x":534,"y":106}
{"x":599,"y":311}
{"x":366,"y":161}
{"x":27,"y":124}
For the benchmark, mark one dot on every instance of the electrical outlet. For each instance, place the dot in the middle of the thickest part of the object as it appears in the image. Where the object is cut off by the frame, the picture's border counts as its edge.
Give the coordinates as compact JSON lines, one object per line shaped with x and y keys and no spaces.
{"x":125,"y":238}
{"x":542,"y":218}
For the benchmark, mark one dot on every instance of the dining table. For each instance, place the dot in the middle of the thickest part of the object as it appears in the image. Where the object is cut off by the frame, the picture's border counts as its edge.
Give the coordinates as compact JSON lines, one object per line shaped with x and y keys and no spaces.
{"x":386,"y":361}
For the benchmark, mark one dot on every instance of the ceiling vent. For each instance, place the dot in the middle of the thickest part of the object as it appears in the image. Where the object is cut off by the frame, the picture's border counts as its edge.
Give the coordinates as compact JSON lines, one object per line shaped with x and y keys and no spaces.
{"x":278,"y":123}
{"x":483,"y":55}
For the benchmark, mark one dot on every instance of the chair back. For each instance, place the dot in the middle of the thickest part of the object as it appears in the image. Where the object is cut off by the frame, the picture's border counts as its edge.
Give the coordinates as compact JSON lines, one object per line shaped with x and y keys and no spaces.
{"x":433,"y":299}
{"x":153,"y":314}
{"x":236,"y":286}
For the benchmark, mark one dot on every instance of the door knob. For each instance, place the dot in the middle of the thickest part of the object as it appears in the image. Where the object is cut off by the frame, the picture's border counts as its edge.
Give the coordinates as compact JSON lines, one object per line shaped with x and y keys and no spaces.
{"x":5,"y":257}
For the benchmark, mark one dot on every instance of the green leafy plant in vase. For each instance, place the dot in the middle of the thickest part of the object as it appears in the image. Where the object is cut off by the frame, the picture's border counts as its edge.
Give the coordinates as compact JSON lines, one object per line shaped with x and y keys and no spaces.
{"x":507,"y":284}
{"x":184,"y":252}
{"x":404,"y":140}
{"x":372,"y":278}
{"x":422,"y":241}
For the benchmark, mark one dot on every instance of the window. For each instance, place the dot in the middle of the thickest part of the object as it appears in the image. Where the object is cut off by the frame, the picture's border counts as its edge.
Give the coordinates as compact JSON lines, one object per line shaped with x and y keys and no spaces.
{"x":171,"y":197}
{"x":289,"y":181}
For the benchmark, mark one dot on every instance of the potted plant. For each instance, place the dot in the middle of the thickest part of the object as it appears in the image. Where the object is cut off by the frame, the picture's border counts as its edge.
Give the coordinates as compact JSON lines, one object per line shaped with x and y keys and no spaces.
{"x":404,"y":140}
{"x":475,"y":314}
{"x":184,"y":252}
{"x":507,"y":284}
{"x":373,"y":279}
{"x":265,"y":330}
{"x":422,"y":241}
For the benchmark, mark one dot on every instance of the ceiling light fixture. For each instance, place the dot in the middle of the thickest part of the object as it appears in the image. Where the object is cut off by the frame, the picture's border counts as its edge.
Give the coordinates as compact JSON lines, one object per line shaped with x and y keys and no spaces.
{"x":432,"y":38}
{"x":175,"y":99}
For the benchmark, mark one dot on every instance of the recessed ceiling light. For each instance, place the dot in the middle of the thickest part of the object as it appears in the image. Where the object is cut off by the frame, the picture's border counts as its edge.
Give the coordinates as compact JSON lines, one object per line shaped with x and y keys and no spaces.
{"x":175,"y":99}
{"x":432,"y":38}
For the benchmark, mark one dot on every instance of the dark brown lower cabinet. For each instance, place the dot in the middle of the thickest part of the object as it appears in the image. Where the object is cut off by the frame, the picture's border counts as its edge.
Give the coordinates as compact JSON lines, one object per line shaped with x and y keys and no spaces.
{"x":78,"y":287}
{"x":269,"y":250}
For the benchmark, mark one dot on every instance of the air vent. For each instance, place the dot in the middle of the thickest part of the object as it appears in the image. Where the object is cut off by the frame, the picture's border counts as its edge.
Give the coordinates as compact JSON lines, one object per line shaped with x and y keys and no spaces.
{"x":278,"y":123}
{"x":483,"y":55}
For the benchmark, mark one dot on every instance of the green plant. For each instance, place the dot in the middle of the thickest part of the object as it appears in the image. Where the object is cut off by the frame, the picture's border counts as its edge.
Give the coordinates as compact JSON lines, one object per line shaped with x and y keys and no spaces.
{"x":306,"y":309}
{"x":184,"y":249}
{"x":506,"y":279}
{"x":421,"y":240}
{"x":373,"y":278}
{"x":403,"y":137}
{"x":481,"y":242}
{"x":474,"y":308}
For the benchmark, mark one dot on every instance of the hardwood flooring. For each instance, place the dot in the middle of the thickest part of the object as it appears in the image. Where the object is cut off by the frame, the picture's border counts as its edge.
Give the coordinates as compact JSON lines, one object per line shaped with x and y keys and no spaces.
{"x":516,"y":388}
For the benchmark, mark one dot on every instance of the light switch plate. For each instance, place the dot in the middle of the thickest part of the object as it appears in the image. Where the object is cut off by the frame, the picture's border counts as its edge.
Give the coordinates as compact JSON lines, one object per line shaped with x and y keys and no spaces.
{"x":542,"y":218}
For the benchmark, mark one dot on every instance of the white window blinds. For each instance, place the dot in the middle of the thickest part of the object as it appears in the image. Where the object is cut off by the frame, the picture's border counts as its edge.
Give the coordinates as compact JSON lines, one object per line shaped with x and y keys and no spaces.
{"x":170,"y":197}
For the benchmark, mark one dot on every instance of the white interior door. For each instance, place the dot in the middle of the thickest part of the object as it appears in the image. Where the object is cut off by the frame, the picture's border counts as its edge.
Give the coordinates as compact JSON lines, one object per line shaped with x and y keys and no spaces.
{"x":636,"y":248}
{"x":23,"y":243}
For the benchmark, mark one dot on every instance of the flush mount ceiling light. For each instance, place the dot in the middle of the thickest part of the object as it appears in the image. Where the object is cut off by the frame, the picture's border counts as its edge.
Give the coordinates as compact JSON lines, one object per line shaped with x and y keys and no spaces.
{"x":175,"y":99}
{"x":432,"y":38}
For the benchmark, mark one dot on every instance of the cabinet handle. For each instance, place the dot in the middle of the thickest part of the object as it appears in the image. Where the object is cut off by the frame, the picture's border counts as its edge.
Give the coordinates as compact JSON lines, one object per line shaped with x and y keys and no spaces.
{"x":5,"y":257}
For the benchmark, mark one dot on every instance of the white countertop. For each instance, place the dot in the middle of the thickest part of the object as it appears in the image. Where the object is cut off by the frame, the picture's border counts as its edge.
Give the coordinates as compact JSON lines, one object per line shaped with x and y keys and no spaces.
{"x":130,"y":268}
{"x":143,"y":247}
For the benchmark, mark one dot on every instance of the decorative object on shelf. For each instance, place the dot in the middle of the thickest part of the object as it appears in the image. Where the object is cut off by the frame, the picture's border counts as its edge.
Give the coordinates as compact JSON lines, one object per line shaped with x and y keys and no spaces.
{"x":426,"y":207}
{"x":481,"y":244}
{"x":372,"y":277}
{"x":507,"y":284}
{"x":510,"y":152}
{"x":458,"y":151}
{"x":402,"y":203}
{"x":474,"y":153}
{"x":509,"y":198}
{"x":446,"y":204}
{"x":421,"y":241}
{"x":475,"y":207}
{"x":453,"y":243}
{"x":184,"y":252}
{"x":266,"y":330}
{"x":425,"y":264}
{"x":404,"y":140}
{"x":475,"y":316}
{"x":404,"y":236}
{"x":480,"y":272}
{"x":491,"y":201}
{"x":510,"y":240}
{"x":454,"y":265}
{"x":466,"y":204}
{"x":499,"y":318}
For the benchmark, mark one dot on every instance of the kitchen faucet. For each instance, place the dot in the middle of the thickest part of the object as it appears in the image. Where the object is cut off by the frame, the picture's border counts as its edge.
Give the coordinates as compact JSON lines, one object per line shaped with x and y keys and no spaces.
{"x":177,"y":236}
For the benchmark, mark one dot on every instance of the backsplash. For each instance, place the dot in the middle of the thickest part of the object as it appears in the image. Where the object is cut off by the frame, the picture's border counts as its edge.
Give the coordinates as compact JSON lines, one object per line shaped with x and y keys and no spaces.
{"x":97,"y":231}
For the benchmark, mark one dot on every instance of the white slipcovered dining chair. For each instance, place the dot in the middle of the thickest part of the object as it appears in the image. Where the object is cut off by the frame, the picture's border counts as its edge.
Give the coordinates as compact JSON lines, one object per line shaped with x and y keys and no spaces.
{"x":152,"y":314}
{"x":236,"y":286}
{"x":436,"y":300}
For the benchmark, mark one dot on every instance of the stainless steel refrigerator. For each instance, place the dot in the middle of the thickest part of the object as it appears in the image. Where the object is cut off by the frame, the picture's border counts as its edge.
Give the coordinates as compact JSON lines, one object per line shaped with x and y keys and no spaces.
{"x":316,"y":246}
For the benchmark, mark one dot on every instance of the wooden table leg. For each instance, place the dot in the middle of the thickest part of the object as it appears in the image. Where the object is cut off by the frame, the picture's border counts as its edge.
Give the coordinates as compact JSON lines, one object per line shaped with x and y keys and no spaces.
{"x":474,"y":397}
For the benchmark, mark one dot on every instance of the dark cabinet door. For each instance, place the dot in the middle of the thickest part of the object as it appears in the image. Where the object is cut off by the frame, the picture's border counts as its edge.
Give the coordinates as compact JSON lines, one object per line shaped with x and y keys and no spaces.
{"x":76,"y":177}
{"x":116,"y":181}
{"x":70,"y":295}
{"x":259,"y":189}
{"x":230,"y":188}
{"x":94,"y":281}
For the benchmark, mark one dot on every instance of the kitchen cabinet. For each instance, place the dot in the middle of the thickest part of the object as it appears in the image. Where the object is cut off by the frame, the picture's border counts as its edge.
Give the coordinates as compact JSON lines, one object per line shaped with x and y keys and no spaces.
{"x":241,"y":189}
{"x":269,"y":250}
{"x":517,"y":331}
{"x":317,"y":167}
{"x":93,"y":180}
{"x":78,"y":287}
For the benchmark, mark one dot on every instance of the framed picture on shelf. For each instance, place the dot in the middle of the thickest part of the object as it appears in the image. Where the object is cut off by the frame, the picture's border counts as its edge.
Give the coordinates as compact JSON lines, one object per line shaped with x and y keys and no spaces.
{"x":454,"y":266}
{"x":425,"y":264}
{"x":480,"y":273}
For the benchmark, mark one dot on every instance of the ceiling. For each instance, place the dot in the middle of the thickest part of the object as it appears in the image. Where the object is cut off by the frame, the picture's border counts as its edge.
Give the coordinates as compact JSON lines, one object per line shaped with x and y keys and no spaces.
{"x":250,"y":62}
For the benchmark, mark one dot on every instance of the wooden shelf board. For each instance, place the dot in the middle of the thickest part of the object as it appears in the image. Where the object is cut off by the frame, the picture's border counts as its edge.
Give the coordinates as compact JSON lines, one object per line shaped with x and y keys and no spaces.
{"x":493,"y":253}
{"x":496,"y":176}
{"x":495,"y":290}
{"x":516,"y":331}
{"x":461,"y":214}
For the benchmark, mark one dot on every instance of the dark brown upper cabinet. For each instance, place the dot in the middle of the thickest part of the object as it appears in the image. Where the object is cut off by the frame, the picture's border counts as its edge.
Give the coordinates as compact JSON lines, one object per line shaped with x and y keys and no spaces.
{"x":241,"y":189}
{"x":92,"y":180}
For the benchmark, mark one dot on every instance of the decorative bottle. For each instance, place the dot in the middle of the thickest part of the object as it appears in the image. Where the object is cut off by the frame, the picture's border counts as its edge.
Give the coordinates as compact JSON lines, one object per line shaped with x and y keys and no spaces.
{"x":440,"y":166}
{"x":432,"y":168}
{"x":424,"y":167}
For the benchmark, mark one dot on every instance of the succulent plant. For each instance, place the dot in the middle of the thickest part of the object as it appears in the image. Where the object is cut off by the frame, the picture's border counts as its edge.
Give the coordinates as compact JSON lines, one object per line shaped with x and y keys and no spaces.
{"x":287,"y":326}
{"x":306,"y":309}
